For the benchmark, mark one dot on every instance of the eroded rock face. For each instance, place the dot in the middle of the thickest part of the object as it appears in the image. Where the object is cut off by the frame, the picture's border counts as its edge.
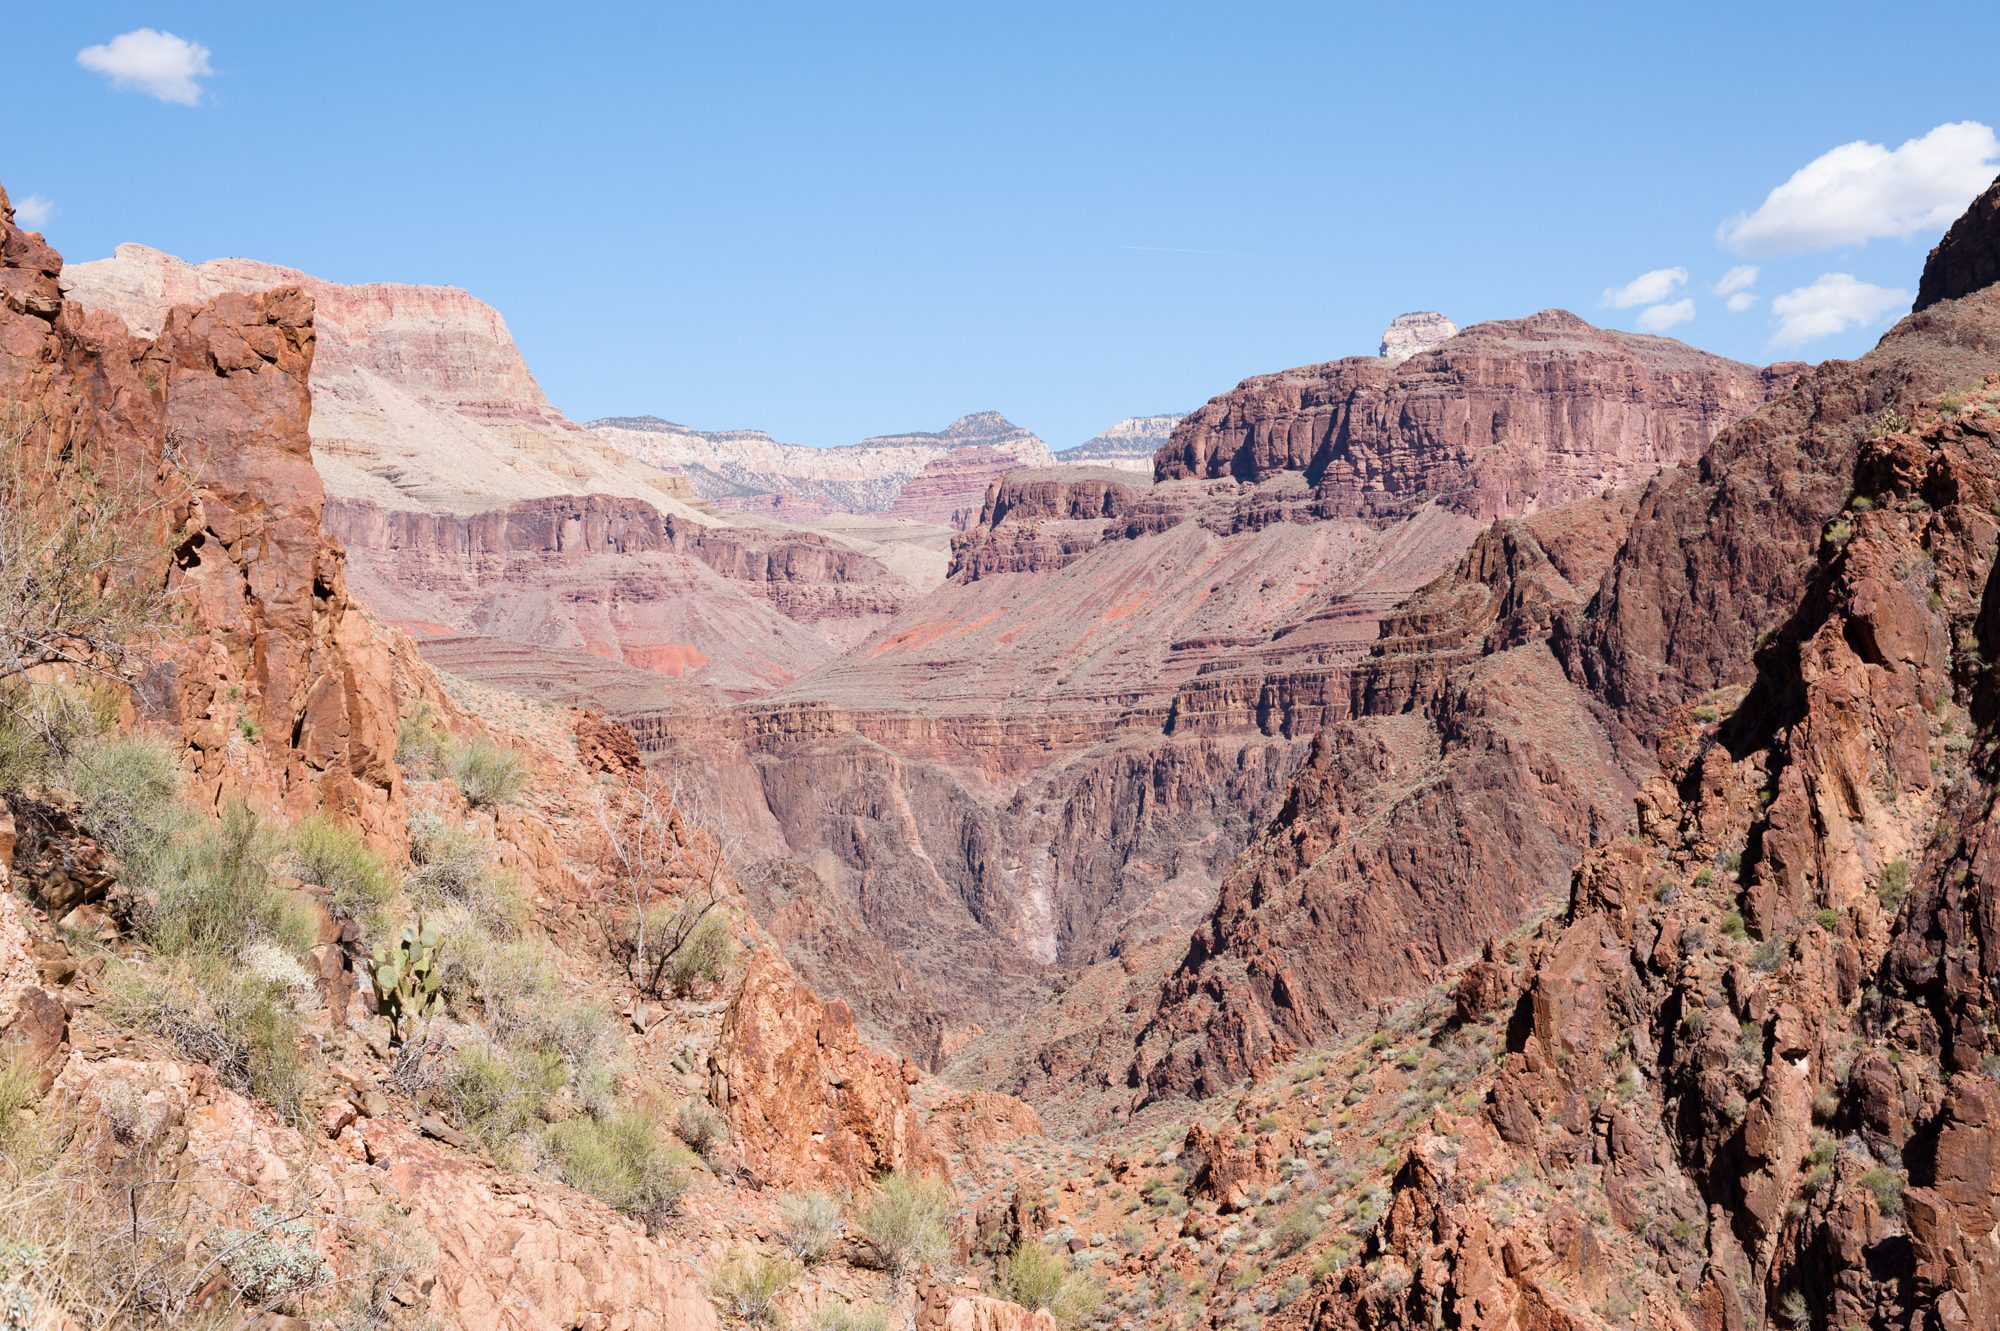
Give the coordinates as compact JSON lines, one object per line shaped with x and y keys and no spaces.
{"x":738,"y":609}
{"x":1506,"y":418}
{"x":1968,"y":258}
{"x":1127,"y":446}
{"x":809,"y":1104}
{"x":281,"y":688}
{"x":1761,"y":1028}
{"x":1412,"y":334}
{"x":421,"y":399}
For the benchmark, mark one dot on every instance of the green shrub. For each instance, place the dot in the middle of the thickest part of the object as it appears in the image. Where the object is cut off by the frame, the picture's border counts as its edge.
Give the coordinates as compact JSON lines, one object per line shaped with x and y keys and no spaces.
{"x":748,"y":1285}
{"x":43,"y":727}
{"x":421,"y":743}
{"x":1861,"y":503}
{"x":336,"y":860}
{"x":452,"y":865}
{"x":849,"y":1317}
{"x":240,"y":1021}
{"x":1036,"y":1278}
{"x":210,"y":891}
{"x":486,"y":773}
{"x":704,"y":958}
{"x":1296,"y":1229}
{"x":1887,"y":1185}
{"x":697,"y":1124}
{"x":1839,"y":533}
{"x":807,"y":1224}
{"x":624,"y":1159}
{"x":17,"y":1095}
{"x":129,"y":787}
{"x":907,"y":1218}
{"x":1732,"y":924}
{"x":1894,"y":883}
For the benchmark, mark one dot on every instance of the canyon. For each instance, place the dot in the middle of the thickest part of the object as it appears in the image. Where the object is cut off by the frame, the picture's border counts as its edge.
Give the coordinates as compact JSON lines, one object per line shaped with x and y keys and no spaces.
{"x":1495,"y":833}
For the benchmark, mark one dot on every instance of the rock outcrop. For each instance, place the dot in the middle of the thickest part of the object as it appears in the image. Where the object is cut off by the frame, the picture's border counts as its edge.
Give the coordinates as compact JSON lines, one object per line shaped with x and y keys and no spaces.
{"x":1505,"y":418}
{"x":1413,"y":334}
{"x":738,"y":609}
{"x":420,"y":397}
{"x":280,"y":685}
{"x":1968,"y":258}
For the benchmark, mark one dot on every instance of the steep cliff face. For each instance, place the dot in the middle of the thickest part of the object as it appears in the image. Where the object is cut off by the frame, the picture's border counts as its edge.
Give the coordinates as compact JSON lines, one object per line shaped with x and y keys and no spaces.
{"x":1759,"y":1043}
{"x":421,"y":399}
{"x":1503,"y":419}
{"x":738,"y":609}
{"x":280,"y":684}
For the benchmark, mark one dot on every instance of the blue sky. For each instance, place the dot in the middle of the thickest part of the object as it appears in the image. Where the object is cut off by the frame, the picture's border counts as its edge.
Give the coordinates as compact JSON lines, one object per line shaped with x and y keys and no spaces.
{"x":834,"y":221}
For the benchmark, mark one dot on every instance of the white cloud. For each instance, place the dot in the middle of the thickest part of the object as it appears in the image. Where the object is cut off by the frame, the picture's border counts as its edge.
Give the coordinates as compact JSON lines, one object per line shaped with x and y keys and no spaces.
{"x":1739,"y":278}
{"x":1645,"y":289}
{"x":1833,"y":304}
{"x":1741,"y":301}
{"x":1659,"y":318}
{"x":1860,"y":191}
{"x":158,"y":64}
{"x":33,"y":212}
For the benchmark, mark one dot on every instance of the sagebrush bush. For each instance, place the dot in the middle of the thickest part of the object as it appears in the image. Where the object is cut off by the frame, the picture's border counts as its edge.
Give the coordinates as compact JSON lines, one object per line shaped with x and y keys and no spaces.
{"x":452,"y":865}
{"x":1037,"y":1279}
{"x":907,"y":1218}
{"x":209,"y":891}
{"x":623,"y":1158}
{"x":214,"y":1011}
{"x":421,"y":743}
{"x":44,"y":727}
{"x":129,"y":789}
{"x":749,"y":1283}
{"x":808,"y":1222}
{"x":697,"y":1124}
{"x":336,"y":860}
{"x":487,"y":774}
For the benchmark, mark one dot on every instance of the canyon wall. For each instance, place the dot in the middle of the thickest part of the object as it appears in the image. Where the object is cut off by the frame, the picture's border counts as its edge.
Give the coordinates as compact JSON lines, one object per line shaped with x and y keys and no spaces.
{"x":1048,"y":762}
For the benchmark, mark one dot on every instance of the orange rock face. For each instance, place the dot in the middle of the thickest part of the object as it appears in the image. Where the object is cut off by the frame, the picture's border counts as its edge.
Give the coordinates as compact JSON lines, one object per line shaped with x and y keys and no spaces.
{"x":281,"y":688}
{"x":808,"y":1103}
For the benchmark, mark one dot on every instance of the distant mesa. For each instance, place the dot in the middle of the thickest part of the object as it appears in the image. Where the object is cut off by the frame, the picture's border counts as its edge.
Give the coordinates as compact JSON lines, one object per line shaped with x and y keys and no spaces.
{"x":1413,"y":334}
{"x":1129,"y":445}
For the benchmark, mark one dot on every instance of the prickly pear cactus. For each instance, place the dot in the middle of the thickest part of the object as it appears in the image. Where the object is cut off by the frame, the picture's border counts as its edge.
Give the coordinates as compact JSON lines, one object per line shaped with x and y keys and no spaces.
{"x":409,"y":984}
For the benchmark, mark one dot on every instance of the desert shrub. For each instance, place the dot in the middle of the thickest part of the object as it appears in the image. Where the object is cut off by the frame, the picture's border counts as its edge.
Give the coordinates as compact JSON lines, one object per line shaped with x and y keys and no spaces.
{"x":452,"y":865}
{"x":697,"y":1124}
{"x":43,"y":728}
{"x":17,"y":1095}
{"x":748,"y":1285}
{"x":275,"y":1263}
{"x":213,"y":1010}
{"x":624,"y":1159}
{"x":1298,"y":1227}
{"x":907,"y":1218}
{"x":850,"y":1317}
{"x":1839,"y":532}
{"x":704,"y":957}
{"x":1895,"y":881}
{"x":1732,"y":924}
{"x":128,"y":787}
{"x":421,"y":742}
{"x":486,"y":773}
{"x":1887,"y":1185}
{"x":1036,"y":1278}
{"x":210,"y":891}
{"x":337,"y":861}
{"x":807,"y":1224}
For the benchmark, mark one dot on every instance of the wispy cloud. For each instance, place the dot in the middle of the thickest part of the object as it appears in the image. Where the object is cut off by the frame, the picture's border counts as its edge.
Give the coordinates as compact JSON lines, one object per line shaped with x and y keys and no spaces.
{"x":1740,"y":278}
{"x":1659,"y":318}
{"x":1740,"y":301}
{"x":1645,"y":289}
{"x":1861,"y":191}
{"x":158,"y":64}
{"x":33,"y":212}
{"x":1833,"y":303}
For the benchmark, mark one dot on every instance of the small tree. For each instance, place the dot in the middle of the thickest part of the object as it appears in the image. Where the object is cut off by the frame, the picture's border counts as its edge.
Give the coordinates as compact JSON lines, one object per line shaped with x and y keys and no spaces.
{"x":667,"y":886}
